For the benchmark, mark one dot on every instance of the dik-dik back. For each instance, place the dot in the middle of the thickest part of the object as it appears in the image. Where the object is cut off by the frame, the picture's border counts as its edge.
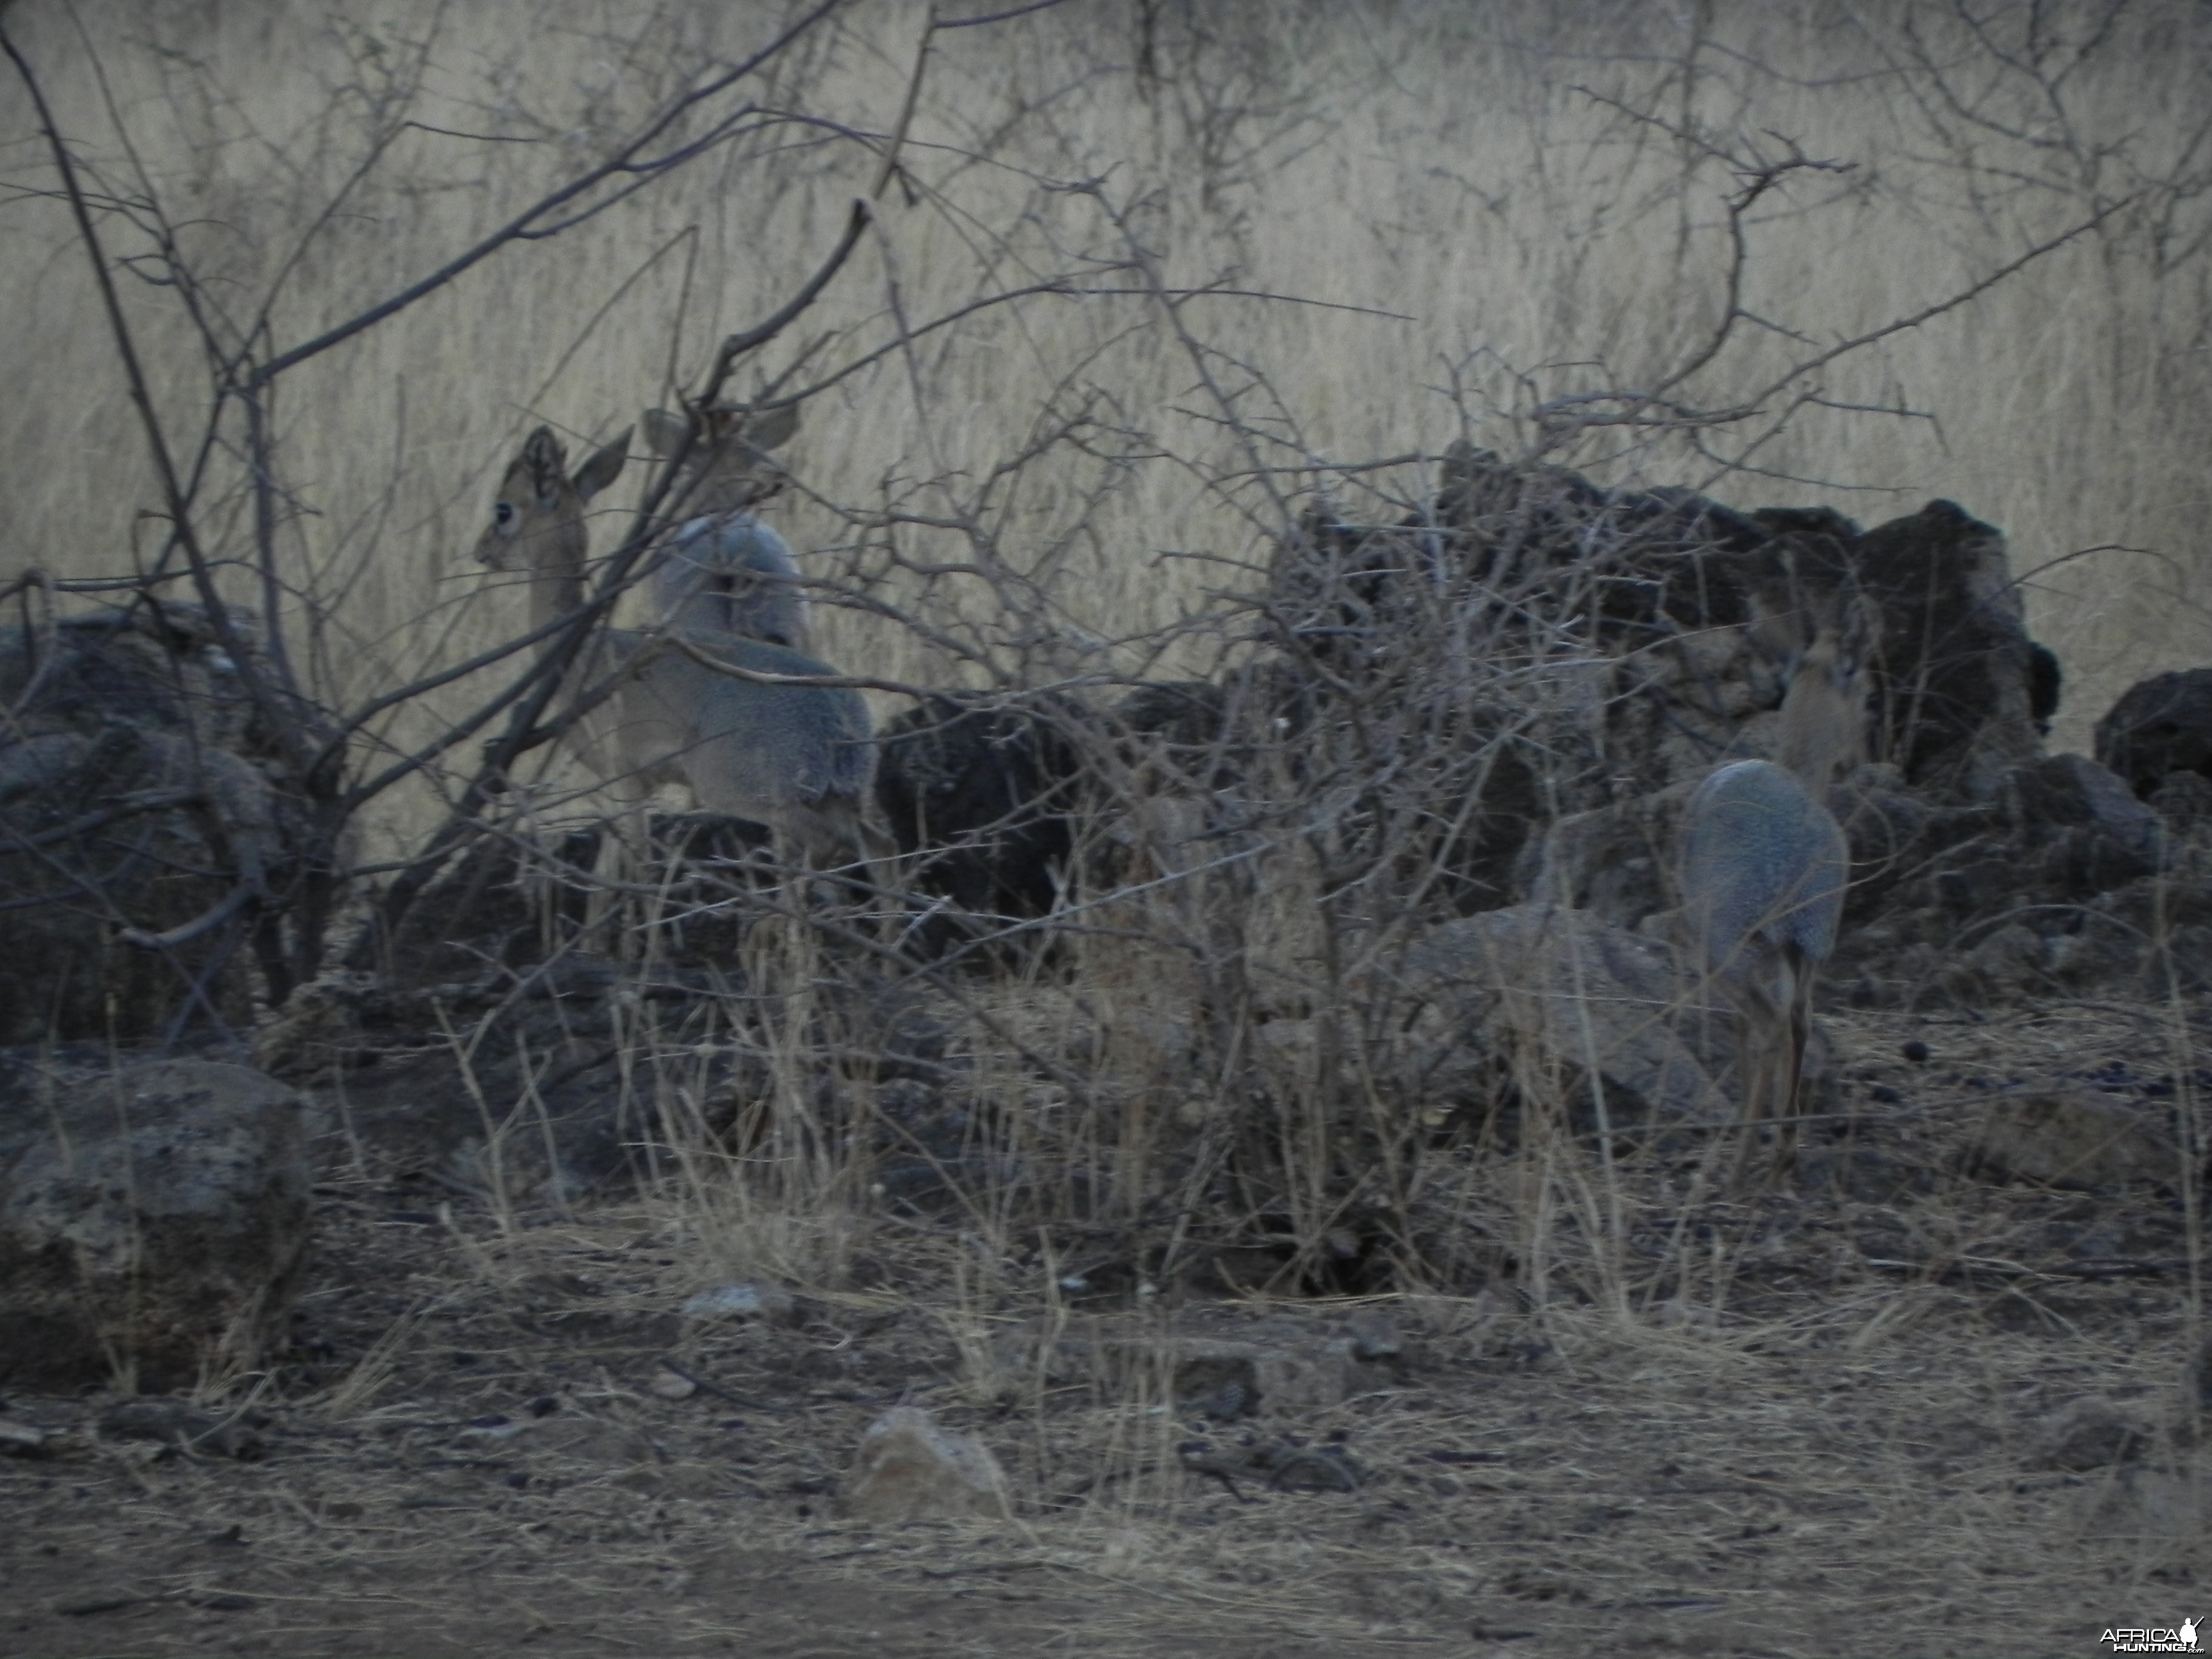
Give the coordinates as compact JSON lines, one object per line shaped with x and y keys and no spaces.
{"x":1764,"y":867}
{"x":800,"y":759}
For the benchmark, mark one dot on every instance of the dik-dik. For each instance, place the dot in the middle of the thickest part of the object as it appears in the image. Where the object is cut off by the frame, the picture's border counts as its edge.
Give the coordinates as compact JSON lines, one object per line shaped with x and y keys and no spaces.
{"x":722,"y":568}
{"x":1764,"y":865}
{"x":798,"y":758}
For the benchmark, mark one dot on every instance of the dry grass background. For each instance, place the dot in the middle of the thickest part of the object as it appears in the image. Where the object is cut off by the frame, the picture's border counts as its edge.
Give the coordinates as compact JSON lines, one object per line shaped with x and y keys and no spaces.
{"x":1475,"y":209}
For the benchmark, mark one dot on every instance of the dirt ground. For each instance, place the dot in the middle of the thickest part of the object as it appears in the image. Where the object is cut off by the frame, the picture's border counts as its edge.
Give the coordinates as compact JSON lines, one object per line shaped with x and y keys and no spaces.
{"x":1937,"y":1415}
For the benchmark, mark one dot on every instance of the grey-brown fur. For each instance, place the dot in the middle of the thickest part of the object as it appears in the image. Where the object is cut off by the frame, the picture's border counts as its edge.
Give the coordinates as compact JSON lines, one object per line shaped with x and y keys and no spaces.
{"x":799,"y":758}
{"x":1764,"y":867}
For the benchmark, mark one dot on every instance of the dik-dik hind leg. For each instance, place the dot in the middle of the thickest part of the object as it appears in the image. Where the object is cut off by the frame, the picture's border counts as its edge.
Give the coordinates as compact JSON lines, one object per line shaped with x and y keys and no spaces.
{"x":1771,"y":1091}
{"x":1790,"y":1097}
{"x":1755,"y":1065}
{"x":1769,"y":1047}
{"x":624,"y":860}
{"x":1775,"y":1019}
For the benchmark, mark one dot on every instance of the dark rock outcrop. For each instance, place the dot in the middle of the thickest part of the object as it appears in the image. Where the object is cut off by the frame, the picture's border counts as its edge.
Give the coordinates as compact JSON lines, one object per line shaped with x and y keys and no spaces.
{"x":154,"y":1221}
{"x":146,"y":831}
{"x":2161,"y":724}
{"x":981,"y":789}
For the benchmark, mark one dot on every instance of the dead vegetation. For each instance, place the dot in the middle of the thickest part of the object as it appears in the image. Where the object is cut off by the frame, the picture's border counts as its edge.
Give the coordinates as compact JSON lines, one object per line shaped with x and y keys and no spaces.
{"x":1899,"y":1417}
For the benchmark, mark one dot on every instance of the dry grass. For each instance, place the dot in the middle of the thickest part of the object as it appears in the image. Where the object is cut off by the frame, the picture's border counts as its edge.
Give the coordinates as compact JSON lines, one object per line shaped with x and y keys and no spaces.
{"x":1474,"y":186}
{"x":1858,"y":1457}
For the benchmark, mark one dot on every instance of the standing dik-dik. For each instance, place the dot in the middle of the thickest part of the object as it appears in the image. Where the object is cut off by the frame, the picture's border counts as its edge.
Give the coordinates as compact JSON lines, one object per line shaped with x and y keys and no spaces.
{"x":1764,"y":866}
{"x":798,"y":758}
{"x":722,"y":569}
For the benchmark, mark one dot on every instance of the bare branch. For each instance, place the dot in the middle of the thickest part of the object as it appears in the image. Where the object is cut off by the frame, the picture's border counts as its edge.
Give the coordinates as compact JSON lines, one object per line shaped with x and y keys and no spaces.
{"x":526,"y":223}
{"x":280,"y":712}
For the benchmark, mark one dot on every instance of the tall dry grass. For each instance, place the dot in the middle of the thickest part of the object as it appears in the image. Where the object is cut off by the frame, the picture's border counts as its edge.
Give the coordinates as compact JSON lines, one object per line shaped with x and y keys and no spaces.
{"x":1419,"y":219}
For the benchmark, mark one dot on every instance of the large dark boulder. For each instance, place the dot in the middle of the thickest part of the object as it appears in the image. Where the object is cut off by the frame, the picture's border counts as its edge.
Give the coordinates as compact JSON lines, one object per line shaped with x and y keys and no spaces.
{"x":1957,"y":681}
{"x":146,"y":841}
{"x":979,"y":789}
{"x":2063,"y":881}
{"x":154,"y":1221}
{"x":2160,"y":725}
{"x":510,"y":900}
{"x":1694,"y":608}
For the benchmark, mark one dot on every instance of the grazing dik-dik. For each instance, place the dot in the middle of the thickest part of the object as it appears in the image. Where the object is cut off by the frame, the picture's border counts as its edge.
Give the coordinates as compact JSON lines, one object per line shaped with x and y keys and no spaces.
{"x":798,"y":758}
{"x":1764,"y":866}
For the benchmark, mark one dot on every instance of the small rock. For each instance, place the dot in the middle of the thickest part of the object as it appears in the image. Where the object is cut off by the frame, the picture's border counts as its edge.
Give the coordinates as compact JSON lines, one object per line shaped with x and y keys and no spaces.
{"x":176,"y":1423}
{"x":751,"y":1299}
{"x":2074,"y":1140}
{"x":2012,"y":959}
{"x":1282,"y":1464}
{"x":593,"y":1440}
{"x":154,"y":1217}
{"x":2091,"y":1433}
{"x":669,"y":1386}
{"x":910,"y":1469}
{"x":1374,"y":1334}
{"x":1227,"y":1402}
{"x":1216,"y":1368}
{"x":1278,"y":1372}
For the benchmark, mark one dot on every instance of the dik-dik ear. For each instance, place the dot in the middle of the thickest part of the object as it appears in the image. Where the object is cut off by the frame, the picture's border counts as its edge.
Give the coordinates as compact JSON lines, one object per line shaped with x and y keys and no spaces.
{"x":772,"y":429}
{"x":665,"y":433}
{"x":546,"y":466}
{"x":603,"y":467}
{"x":1858,"y":631}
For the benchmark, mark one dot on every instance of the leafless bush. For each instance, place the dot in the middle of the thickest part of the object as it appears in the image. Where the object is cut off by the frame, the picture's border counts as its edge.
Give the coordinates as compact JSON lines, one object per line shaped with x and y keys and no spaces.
{"x":1384,"y":646}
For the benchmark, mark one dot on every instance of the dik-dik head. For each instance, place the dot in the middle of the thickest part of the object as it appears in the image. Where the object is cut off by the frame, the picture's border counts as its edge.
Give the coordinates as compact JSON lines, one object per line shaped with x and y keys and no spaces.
{"x":729,"y":468}
{"x":1823,"y":729}
{"x":537,"y":517}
